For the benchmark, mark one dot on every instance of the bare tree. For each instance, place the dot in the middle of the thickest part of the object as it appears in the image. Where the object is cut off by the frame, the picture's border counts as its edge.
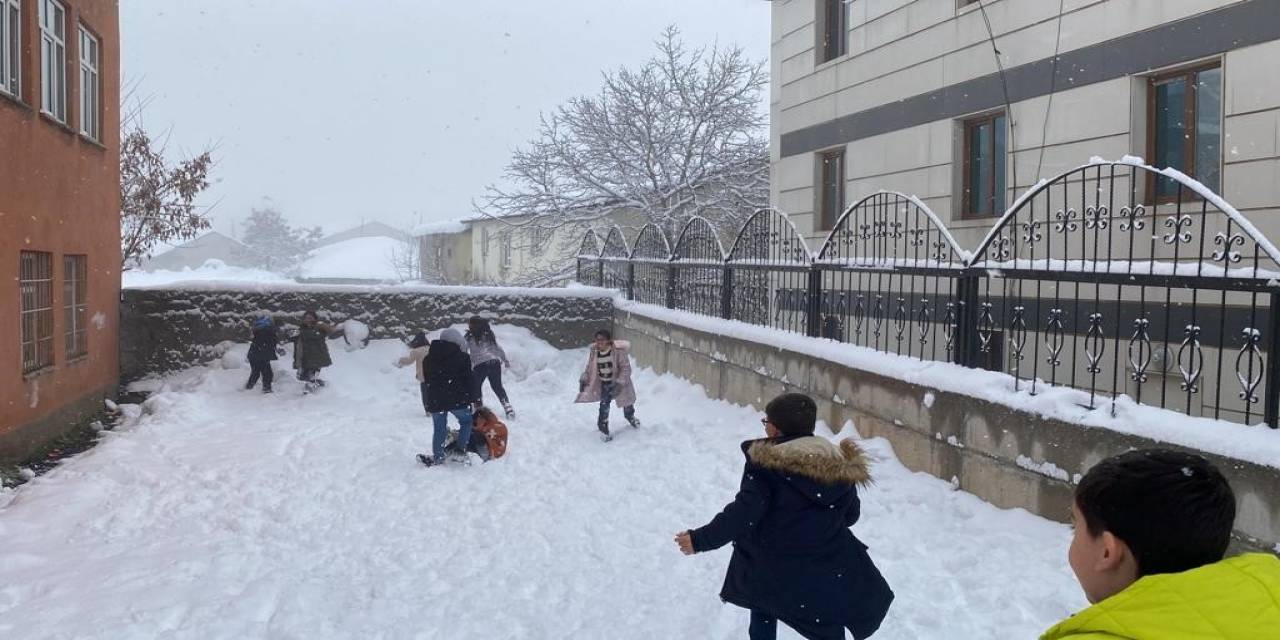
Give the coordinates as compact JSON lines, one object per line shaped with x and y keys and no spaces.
{"x":683,"y":135}
{"x":406,"y":259}
{"x":157,"y":198}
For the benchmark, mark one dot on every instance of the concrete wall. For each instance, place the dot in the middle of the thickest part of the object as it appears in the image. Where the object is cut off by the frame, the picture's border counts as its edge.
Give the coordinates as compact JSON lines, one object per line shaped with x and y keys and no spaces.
{"x":984,"y":447}
{"x":165,"y":329}
{"x":915,"y":68}
{"x":59,"y":194}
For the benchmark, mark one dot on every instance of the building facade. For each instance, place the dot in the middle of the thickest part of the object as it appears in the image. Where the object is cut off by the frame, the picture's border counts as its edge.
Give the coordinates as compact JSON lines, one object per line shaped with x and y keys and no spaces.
{"x":911,"y":96}
{"x":193,"y":253}
{"x":59,"y":216}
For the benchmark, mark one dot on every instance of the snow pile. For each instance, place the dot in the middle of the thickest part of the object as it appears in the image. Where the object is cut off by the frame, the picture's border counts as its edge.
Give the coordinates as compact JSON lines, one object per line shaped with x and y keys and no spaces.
{"x":370,"y":258}
{"x":211,"y":270}
{"x":224,"y":513}
{"x":1253,"y":443}
{"x":440,"y":228}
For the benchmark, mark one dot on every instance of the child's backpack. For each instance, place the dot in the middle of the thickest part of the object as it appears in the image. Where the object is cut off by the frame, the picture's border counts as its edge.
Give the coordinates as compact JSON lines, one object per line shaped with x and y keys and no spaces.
{"x":486,"y":423}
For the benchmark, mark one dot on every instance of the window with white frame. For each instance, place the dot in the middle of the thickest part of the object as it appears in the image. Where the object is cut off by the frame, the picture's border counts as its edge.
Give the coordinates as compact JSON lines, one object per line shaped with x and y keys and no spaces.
{"x":505,"y":248}
{"x":10,"y":46}
{"x":75,"y":304}
{"x":90,"y":92}
{"x":53,"y":59}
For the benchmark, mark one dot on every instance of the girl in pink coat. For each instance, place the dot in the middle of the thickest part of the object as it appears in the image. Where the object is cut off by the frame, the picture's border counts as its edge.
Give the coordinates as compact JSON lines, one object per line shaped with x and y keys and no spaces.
{"x":607,"y":379}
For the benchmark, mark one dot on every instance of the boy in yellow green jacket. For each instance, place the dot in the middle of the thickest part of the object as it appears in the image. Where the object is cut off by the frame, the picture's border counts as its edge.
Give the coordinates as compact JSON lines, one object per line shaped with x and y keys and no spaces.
{"x":1151,"y":530}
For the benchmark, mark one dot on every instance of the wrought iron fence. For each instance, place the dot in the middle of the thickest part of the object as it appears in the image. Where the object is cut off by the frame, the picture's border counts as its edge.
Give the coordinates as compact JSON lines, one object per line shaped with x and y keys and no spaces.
{"x":1084,"y":282}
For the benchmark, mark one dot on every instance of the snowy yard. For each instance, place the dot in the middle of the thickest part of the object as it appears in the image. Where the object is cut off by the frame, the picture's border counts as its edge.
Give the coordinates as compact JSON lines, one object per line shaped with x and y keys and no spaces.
{"x":224,"y":513}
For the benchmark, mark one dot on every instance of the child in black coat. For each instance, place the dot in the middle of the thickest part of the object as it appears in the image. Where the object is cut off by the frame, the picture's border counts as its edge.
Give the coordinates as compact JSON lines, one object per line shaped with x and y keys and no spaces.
{"x":794,"y":558}
{"x":262,"y":350}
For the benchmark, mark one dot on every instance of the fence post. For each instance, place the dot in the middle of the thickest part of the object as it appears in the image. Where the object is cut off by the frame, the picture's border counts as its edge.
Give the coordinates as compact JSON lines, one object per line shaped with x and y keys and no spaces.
{"x":726,"y":301}
{"x":600,"y":272}
{"x":967,"y":349}
{"x":814,"y":303}
{"x":1271,"y":410}
{"x":631,"y":280}
{"x":671,"y":285}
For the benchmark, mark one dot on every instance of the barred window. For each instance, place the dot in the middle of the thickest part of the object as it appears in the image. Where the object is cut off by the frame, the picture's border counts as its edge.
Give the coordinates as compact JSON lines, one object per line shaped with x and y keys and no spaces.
{"x":75,"y":297}
{"x":35,"y":285}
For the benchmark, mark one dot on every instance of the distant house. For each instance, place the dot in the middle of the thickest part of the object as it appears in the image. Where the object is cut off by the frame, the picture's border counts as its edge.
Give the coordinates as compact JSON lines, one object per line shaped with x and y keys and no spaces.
{"x":365,"y":230}
{"x":194,"y":253}
{"x":359,"y":260}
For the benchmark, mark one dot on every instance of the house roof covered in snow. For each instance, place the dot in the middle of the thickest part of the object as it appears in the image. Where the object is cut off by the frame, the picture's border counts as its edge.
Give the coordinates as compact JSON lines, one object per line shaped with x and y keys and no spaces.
{"x":364,"y":230}
{"x":371,"y":259}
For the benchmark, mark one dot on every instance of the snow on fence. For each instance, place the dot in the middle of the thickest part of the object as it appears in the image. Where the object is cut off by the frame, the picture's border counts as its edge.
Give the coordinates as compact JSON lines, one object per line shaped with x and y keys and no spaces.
{"x":1114,"y":278}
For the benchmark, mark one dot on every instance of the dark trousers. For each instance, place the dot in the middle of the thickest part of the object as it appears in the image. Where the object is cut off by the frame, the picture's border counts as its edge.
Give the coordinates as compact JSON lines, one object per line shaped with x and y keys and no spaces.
{"x":423,"y":385}
{"x":765,"y":627}
{"x":260,"y":368}
{"x":491,"y":371}
{"x":606,"y":398}
{"x":307,"y":375}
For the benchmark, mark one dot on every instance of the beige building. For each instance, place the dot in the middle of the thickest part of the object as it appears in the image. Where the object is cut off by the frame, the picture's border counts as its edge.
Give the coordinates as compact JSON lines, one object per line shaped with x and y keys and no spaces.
{"x":907,"y":95}
{"x":510,"y":251}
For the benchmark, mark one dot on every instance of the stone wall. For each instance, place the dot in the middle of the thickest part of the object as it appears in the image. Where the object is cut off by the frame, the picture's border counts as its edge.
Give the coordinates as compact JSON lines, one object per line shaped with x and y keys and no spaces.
{"x":168,"y":329}
{"x":1007,"y":457}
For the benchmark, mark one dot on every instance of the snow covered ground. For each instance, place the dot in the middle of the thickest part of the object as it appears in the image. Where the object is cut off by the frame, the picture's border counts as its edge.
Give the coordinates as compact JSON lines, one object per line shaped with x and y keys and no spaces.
{"x":222,"y":513}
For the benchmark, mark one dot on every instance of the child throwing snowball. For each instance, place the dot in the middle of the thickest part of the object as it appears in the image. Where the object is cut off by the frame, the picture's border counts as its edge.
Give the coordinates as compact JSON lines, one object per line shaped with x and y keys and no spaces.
{"x":487,"y":361}
{"x":794,"y":559}
{"x":311,"y":351}
{"x":262,"y":350}
{"x":607,"y":379}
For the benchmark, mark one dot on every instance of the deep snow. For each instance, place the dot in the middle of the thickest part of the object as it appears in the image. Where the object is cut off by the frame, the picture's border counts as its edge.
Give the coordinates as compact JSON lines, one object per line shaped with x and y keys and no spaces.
{"x":224,"y":513}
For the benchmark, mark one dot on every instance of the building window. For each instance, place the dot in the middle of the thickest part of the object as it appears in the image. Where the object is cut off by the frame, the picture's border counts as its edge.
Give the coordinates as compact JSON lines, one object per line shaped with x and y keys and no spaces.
{"x":35,"y":287}
{"x":834,"y":29}
{"x":1185,"y":129}
{"x":984,"y":170}
{"x":75,"y":301}
{"x":539,"y":238}
{"x":831,"y":195}
{"x":53,"y":60}
{"x":505,"y":240}
{"x":10,"y":46}
{"x":90,"y":92}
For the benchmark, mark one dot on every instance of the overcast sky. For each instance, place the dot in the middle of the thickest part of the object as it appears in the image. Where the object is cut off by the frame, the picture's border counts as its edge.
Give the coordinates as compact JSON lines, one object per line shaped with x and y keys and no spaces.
{"x":394,"y":110}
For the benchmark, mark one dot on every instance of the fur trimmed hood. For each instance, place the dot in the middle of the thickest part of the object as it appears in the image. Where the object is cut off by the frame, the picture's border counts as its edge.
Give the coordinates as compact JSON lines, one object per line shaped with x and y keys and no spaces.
{"x":815,"y":458}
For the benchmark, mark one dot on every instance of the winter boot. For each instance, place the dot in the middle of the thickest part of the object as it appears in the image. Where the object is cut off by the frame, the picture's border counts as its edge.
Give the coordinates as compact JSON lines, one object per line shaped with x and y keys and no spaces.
{"x":604,"y":432}
{"x":429,"y":461}
{"x":634,"y":422}
{"x":511,"y":412}
{"x":266,"y":390}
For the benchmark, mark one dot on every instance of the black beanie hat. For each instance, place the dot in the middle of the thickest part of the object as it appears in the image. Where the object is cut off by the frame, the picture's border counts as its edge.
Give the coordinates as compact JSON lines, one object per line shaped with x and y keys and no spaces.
{"x":794,"y":414}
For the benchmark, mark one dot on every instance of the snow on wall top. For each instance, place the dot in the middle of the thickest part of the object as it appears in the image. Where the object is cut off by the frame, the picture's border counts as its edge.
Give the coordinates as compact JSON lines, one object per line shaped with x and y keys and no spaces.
{"x":283,"y":286}
{"x":442,"y":227}
{"x":358,"y":258}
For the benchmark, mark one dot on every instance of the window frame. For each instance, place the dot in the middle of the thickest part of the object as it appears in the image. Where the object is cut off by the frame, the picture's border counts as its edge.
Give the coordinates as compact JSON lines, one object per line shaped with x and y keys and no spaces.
{"x":828,"y":216}
{"x":1189,"y":74}
{"x":90,"y":91}
{"x":75,"y":305}
{"x":968,"y":125}
{"x":38,"y":334}
{"x":54,"y":43}
{"x":824,"y":48}
{"x":11,"y":48}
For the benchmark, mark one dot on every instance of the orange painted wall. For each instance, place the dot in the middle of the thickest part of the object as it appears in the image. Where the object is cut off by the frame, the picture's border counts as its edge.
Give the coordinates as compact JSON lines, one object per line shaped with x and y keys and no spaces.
{"x":59,"y":192}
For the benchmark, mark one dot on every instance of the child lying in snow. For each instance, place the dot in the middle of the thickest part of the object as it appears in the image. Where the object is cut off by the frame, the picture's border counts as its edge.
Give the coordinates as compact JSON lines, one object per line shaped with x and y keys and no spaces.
{"x":1151,"y":529}
{"x":488,"y":435}
{"x":794,"y":558}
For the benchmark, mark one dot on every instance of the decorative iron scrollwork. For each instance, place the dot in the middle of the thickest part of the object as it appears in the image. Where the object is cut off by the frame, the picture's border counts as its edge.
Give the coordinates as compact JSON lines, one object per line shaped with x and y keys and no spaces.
{"x":1131,"y":218}
{"x":1140,"y":351}
{"x":1018,"y":332}
{"x":877,"y":318}
{"x":1054,"y":338}
{"x":949,"y":328}
{"x":1178,"y":233}
{"x":1095,"y":343}
{"x":1066,"y":221}
{"x":1251,"y":375}
{"x":900,"y":319}
{"x":1031,"y":232}
{"x":986,"y":327}
{"x":859,"y":315}
{"x":922,"y":322}
{"x":1097,"y":217}
{"x":1190,"y":359}
{"x":1226,"y":254}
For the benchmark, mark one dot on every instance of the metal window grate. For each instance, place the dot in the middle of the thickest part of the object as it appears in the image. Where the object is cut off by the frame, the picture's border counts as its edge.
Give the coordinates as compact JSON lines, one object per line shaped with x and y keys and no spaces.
{"x":35,"y":286}
{"x":75,"y":300}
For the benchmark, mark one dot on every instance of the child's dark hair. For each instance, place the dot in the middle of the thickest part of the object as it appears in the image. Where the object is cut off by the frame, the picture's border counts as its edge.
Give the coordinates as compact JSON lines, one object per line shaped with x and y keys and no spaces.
{"x":605,"y":333}
{"x":310,"y":312}
{"x":794,"y":414}
{"x":478,"y":329}
{"x":1174,"y":510}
